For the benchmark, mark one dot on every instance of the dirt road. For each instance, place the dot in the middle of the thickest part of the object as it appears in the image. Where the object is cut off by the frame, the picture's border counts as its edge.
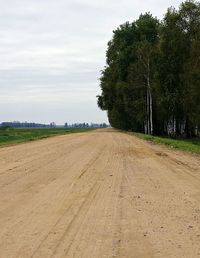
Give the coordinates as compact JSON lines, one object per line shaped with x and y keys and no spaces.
{"x":98,"y":194}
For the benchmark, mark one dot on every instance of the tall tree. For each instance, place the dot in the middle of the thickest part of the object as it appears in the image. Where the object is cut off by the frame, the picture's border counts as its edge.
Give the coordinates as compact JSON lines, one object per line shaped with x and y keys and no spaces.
{"x":151,"y":82}
{"x":148,"y":30}
{"x":129,"y":61}
{"x":190,"y":24}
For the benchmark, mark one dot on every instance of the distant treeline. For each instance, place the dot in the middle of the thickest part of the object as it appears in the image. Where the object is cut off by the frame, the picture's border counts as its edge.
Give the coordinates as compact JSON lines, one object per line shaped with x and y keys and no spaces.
{"x":86,"y":125}
{"x":27,"y":125}
{"x":51,"y":125}
{"x":151,"y":82}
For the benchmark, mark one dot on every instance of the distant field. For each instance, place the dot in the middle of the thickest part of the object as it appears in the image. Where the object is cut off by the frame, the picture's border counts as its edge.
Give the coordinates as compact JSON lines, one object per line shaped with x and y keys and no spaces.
{"x":191,"y":145}
{"x":13,"y":136}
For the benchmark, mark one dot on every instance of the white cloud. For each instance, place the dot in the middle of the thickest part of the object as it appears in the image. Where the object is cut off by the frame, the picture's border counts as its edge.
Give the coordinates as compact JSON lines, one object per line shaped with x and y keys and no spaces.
{"x":51,"y":53}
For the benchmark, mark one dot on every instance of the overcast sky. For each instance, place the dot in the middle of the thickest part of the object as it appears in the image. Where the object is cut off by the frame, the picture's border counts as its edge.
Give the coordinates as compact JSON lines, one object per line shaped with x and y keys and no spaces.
{"x":52,"y":51}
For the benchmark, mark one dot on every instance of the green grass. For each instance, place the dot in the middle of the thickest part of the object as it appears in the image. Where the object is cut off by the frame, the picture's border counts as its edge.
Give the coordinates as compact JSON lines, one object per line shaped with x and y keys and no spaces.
{"x":190,"y":145}
{"x":13,"y":136}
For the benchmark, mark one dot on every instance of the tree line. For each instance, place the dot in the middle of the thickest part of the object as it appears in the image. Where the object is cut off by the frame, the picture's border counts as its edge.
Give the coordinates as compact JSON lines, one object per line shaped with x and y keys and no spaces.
{"x":17,"y":124}
{"x":151,"y":81}
{"x":86,"y":125}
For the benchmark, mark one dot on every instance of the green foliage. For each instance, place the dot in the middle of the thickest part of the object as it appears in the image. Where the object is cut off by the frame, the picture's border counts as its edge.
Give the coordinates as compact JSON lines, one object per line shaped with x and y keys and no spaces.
{"x":123,"y":81}
{"x":151,"y":82}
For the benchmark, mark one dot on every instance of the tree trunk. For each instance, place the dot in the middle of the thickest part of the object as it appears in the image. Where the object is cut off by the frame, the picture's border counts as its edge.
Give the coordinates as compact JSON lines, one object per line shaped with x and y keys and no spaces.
{"x":147,"y":115}
{"x":150,"y":108}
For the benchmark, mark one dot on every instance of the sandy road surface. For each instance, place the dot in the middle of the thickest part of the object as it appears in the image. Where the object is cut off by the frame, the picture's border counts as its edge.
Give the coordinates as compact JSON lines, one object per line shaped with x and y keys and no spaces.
{"x":98,"y":194}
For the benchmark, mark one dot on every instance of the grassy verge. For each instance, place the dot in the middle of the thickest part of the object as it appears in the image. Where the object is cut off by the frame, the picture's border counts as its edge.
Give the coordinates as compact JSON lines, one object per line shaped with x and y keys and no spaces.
{"x":190,"y":145}
{"x":13,"y":136}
